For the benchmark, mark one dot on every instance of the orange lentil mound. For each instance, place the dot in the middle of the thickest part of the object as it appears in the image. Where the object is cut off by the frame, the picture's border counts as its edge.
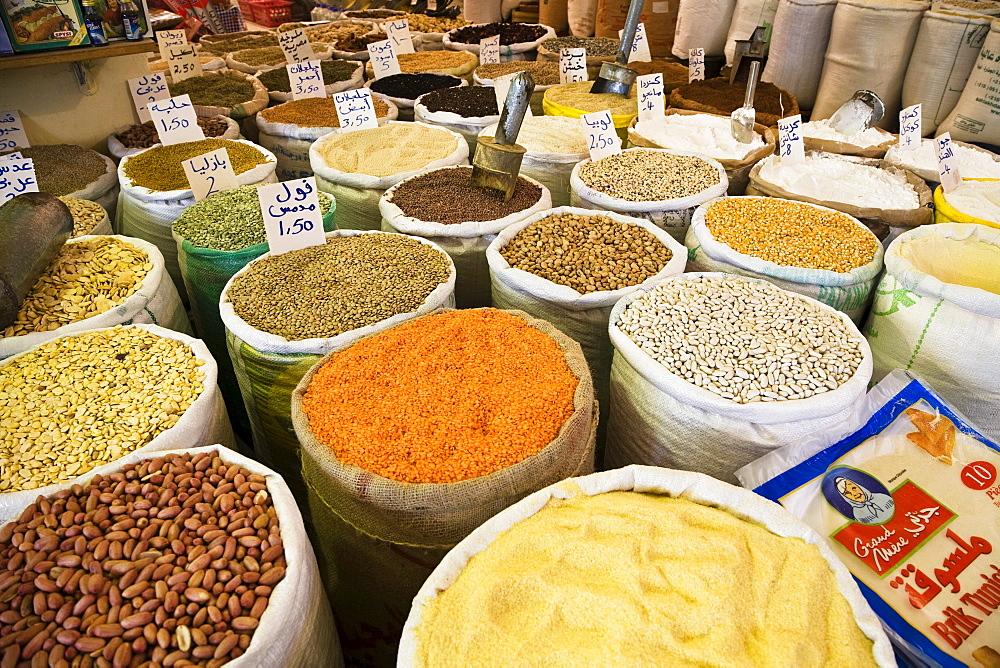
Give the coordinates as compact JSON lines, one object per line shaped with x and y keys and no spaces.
{"x":443,"y":398}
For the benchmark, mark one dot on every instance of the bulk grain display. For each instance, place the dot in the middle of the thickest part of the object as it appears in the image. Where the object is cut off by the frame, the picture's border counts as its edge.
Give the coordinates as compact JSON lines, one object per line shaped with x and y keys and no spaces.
{"x":453,"y":63}
{"x":972,"y":201}
{"x":404,"y":89}
{"x":575,"y":99}
{"x":88,"y":217}
{"x":718,"y":96}
{"x":413,"y":436}
{"x":338,"y":76}
{"x":518,"y":41}
{"x":465,"y":110}
{"x":134,"y":138}
{"x":544,"y":74}
{"x":973,"y":162}
{"x":73,"y":171}
{"x":226,"y":93}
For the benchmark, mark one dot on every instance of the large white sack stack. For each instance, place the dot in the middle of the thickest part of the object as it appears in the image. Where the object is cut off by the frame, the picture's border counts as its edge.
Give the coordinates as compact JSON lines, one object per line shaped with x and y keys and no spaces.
{"x":702,"y":24}
{"x":798,"y":44}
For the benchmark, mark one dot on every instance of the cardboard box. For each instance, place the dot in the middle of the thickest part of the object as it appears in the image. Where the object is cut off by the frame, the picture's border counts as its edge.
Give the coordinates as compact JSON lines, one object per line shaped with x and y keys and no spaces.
{"x":34,"y":25}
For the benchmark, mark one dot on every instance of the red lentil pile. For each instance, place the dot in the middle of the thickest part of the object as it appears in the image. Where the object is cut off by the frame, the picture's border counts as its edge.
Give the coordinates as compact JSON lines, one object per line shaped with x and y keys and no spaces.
{"x":443,"y":398}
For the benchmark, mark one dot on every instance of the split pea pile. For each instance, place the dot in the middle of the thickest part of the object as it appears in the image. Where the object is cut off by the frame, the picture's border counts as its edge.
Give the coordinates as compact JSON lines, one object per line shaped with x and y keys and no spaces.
{"x":86,"y":214}
{"x":743,"y":340}
{"x":642,"y":175}
{"x":792,"y":234}
{"x":521,"y":395}
{"x":86,"y":278}
{"x":170,"y":561}
{"x":160,"y":169}
{"x":587,"y":253}
{"x":81,"y":401}
{"x":347,"y":283}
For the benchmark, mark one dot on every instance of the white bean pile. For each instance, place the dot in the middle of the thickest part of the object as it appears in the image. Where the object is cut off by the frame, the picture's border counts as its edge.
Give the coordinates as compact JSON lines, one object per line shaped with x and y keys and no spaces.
{"x":743,"y":340}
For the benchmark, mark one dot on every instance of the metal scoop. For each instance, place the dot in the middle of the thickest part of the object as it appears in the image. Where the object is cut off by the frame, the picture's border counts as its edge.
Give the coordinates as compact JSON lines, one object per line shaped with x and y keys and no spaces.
{"x":617,"y":77}
{"x":862,"y":111}
{"x":743,"y":119}
{"x":497,"y":160}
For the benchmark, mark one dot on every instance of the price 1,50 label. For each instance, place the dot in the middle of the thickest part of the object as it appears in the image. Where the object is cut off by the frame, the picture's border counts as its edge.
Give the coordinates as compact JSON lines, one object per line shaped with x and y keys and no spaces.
{"x":292,"y":217}
{"x":175,"y":120}
{"x":602,"y":140}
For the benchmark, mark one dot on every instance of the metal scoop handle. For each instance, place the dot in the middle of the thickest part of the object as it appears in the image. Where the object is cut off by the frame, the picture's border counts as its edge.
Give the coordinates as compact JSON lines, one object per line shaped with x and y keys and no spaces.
{"x":752,"y":84}
{"x":628,"y":32}
{"x":514,"y":108}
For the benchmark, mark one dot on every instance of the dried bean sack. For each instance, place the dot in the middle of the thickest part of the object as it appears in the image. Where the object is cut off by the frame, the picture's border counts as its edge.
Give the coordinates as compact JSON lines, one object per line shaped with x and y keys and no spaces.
{"x":849,"y":292}
{"x":382,"y":537}
{"x":155,"y":301}
{"x":459,"y":64}
{"x":975,"y":116}
{"x":659,"y":418}
{"x":52,"y":161}
{"x":537,"y":95}
{"x":693,"y":487}
{"x":119,"y":150}
{"x":520,"y":51}
{"x":937,"y":313}
{"x":406,"y":104}
{"x":244,"y":110}
{"x":234,"y":61}
{"x":798,"y":43}
{"x":103,"y":190}
{"x":467,"y":126}
{"x":205,"y":421}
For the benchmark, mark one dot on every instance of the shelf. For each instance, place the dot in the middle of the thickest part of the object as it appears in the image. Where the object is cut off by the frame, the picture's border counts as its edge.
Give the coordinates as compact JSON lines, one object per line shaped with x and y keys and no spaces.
{"x":75,"y":55}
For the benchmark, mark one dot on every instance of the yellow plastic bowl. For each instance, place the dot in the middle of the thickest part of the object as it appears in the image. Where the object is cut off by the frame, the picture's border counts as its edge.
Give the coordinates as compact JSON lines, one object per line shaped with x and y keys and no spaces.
{"x":621,"y":121}
{"x":946,"y":213}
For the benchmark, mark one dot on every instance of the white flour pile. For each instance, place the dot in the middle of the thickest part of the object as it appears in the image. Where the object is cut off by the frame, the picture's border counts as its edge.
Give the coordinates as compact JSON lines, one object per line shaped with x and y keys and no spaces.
{"x":830,"y":179}
{"x":701,"y":133}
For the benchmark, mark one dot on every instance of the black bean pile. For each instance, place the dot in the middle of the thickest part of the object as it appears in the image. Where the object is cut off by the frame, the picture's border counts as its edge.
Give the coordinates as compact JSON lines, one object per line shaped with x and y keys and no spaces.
{"x":412,"y":86}
{"x":467,"y":101}
{"x":510,"y":33}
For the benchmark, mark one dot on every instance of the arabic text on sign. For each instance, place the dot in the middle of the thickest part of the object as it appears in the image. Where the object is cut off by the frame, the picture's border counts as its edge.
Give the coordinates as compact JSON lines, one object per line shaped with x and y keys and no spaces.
{"x":384,"y":62}
{"x":909,"y":127}
{"x":489,"y":50}
{"x":306,"y":80}
{"x":573,"y":65}
{"x":17,"y":176}
{"x":652,"y":99}
{"x":210,"y":173}
{"x":640,"y":45}
{"x":792,"y":149}
{"x":355,"y":110}
{"x":399,"y":33}
{"x":947,"y":163}
{"x":696,"y":65}
{"x":602,"y":140}
{"x":175,"y":120}
{"x":292,"y":217}
{"x":150,"y":88}
{"x":183,"y":62}
{"x":295,"y":44}
{"x":12,"y":133}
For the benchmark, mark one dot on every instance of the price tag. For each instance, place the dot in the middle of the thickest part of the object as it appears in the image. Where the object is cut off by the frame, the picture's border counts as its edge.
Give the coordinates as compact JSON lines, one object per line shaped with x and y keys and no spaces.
{"x":909,"y":127}
{"x":292,"y":218}
{"x":306,"y":79}
{"x":355,"y":109}
{"x":183,"y":62}
{"x":150,"y":88}
{"x":793,"y":150}
{"x":947,"y":162}
{"x":489,"y":50}
{"x":17,"y":176}
{"x":383,"y":58}
{"x":432,"y":5}
{"x":696,"y":65}
{"x":501,"y":86}
{"x":640,"y":45}
{"x":175,"y":120}
{"x":399,"y":35}
{"x":12,"y":131}
{"x":296,"y":46}
{"x":601,"y":136}
{"x":573,"y":65}
{"x":165,"y":38}
{"x":652,"y":99}
{"x":210,"y":173}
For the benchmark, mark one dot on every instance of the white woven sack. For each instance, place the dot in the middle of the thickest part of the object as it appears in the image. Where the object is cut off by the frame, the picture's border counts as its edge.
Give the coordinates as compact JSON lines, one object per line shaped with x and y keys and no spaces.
{"x":356,"y":80}
{"x":358,"y":195}
{"x":747,"y":15}
{"x":798,"y":44}
{"x":467,"y":126}
{"x":943,"y":56}
{"x":702,"y":24}
{"x":695,"y":487}
{"x":888,"y":29}
{"x":429,"y":41}
{"x":405,"y":105}
{"x":672,"y":215}
{"x":441,"y":296}
{"x":936,"y":327}
{"x":119,"y":150}
{"x":205,"y":421}
{"x":850,"y":292}
{"x":582,"y":17}
{"x":103,"y":190}
{"x":660,"y":419}
{"x":537,"y":95}
{"x":155,"y":301}
{"x":103,"y":228}
{"x":148,"y":214}
{"x":508,"y":52}
{"x":975,"y":117}
{"x":983,"y":7}
{"x":234,"y":64}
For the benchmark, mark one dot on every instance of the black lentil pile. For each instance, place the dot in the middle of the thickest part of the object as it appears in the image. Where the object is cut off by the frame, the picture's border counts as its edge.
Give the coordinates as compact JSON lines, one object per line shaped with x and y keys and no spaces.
{"x":510,"y":33}
{"x":333,"y":71}
{"x":412,"y":86}
{"x":447,"y":196}
{"x":466,"y":101}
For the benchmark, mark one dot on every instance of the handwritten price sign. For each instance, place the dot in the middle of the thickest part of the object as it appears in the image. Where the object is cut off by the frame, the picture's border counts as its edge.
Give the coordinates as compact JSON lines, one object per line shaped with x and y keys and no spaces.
{"x":399,"y":34}
{"x":165,"y":38}
{"x":573,"y":65}
{"x":696,"y":65}
{"x":151,"y":88}
{"x":793,"y":149}
{"x":296,"y":46}
{"x":640,"y":45}
{"x":183,"y":62}
{"x":355,"y":110}
{"x":17,"y":176}
{"x":175,"y":120}
{"x":652,"y":100}
{"x":384,"y":62}
{"x":210,"y":173}
{"x":602,"y":140}
{"x":909,"y":127}
{"x":489,"y":50}
{"x":292,"y":217}
{"x":947,"y":162}
{"x":306,"y":80}
{"x":12,"y":133}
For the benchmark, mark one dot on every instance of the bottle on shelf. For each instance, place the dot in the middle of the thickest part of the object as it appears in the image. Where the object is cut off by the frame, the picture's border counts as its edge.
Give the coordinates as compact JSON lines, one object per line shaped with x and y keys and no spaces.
{"x":131,"y":20}
{"x":95,"y":23}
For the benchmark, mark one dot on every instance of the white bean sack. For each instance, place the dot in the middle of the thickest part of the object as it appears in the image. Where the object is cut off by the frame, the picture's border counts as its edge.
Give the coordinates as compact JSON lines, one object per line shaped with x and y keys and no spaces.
{"x":155,"y":301}
{"x":358,"y":195}
{"x":702,"y":24}
{"x":658,"y":418}
{"x":204,"y":422}
{"x":695,"y":487}
{"x":102,"y":228}
{"x":672,"y":215}
{"x":148,"y":214}
{"x":103,"y":190}
{"x":520,"y":51}
{"x":119,"y":150}
{"x":465,"y":242}
{"x":747,"y":15}
{"x":405,"y":105}
{"x":850,"y":292}
{"x":975,"y":117}
{"x":798,"y":44}
{"x":468,"y":126}
{"x":924,"y":319}
{"x":357,"y":80}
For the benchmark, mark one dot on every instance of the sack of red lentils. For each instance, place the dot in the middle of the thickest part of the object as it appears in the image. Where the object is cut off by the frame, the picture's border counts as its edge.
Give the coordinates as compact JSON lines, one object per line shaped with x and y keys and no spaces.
{"x":805,"y":248}
{"x":437,"y":206}
{"x":414,"y":436}
{"x":127,"y":402}
{"x":281,"y":619}
{"x":356,"y":80}
{"x":712,"y":371}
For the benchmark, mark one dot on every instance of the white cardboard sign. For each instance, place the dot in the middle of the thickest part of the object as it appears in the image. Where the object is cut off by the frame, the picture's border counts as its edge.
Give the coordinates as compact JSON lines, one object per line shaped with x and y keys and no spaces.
{"x":640,"y":45}
{"x":296,"y":46}
{"x":501,"y":86}
{"x":17,"y":176}
{"x":947,"y":162}
{"x":489,"y":50}
{"x":12,"y":133}
{"x":696,"y":65}
{"x":210,"y":173}
{"x":175,"y":120}
{"x":399,"y":34}
{"x":792,"y":148}
{"x":306,"y":79}
{"x":355,"y":110}
{"x":183,"y":62}
{"x":384,"y":62}
{"x":573,"y":65}
{"x":910,"y":120}
{"x":292,"y":217}
{"x":602,"y":140}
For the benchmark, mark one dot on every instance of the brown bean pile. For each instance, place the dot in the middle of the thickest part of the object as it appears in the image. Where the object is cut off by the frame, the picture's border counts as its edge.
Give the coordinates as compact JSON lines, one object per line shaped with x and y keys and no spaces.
{"x":172,"y":560}
{"x":144,"y":135}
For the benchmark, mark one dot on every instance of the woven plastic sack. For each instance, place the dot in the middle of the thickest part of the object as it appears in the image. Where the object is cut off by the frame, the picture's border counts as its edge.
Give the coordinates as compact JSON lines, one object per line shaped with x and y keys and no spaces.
{"x":672,"y":215}
{"x":702,"y":24}
{"x":937,"y":313}
{"x":848,"y":292}
{"x":154,"y":301}
{"x":204,"y":422}
{"x":268,"y":367}
{"x":582,"y":17}
{"x":356,"y":80}
{"x":381,"y":538}
{"x":467,"y":126}
{"x":747,"y":15}
{"x":405,"y":105}
{"x":239,"y":112}
{"x":646,"y":480}
{"x":659,"y":419}
{"x":148,"y":214}
{"x":888,"y":29}
{"x":102,"y":228}
{"x":233,"y":61}
{"x":465,"y":242}
{"x":119,"y":150}
{"x":798,"y":44}
{"x":358,"y":195}
{"x":103,"y":190}
{"x":975,"y":116}
{"x":508,"y":52}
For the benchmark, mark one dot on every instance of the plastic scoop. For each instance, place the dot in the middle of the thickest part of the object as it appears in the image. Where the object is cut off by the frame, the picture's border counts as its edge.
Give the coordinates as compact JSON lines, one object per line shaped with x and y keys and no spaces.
{"x":862,"y":111}
{"x":617,"y":77}
{"x":743,"y":119}
{"x":497,"y":161}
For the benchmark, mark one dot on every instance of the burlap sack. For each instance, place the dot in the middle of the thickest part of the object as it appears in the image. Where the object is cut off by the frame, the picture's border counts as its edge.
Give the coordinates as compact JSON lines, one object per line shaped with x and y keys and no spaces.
{"x":382,"y":538}
{"x":847,"y":148}
{"x":677,"y":100}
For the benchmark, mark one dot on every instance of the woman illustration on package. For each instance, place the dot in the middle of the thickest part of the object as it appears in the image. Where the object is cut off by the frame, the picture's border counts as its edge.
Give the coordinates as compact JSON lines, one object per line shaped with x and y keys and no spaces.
{"x":869,"y":508}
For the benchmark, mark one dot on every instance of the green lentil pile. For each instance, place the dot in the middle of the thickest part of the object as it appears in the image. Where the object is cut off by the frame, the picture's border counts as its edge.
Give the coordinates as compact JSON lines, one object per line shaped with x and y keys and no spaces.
{"x":347,"y":283}
{"x":225,"y":89}
{"x":447,"y":196}
{"x":333,"y":71}
{"x":62,"y":169}
{"x":230,"y":220}
{"x":587,"y":253}
{"x":159,"y":168}
{"x":86,"y":214}
{"x":642,"y":175}
{"x":595,"y":46}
